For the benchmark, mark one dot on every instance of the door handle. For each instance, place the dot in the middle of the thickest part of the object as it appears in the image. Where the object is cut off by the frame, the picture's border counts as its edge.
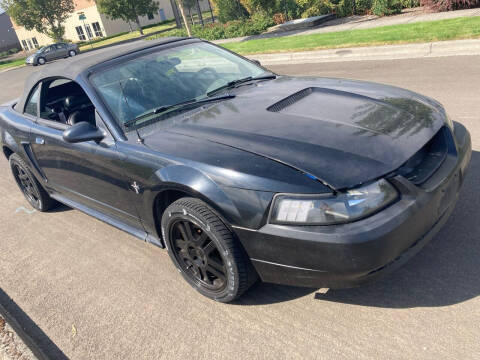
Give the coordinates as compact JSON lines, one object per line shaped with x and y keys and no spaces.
{"x":39,"y":141}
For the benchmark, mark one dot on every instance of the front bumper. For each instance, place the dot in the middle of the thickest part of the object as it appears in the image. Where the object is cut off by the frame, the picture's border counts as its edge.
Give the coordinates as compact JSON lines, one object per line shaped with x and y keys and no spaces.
{"x":348,"y":255}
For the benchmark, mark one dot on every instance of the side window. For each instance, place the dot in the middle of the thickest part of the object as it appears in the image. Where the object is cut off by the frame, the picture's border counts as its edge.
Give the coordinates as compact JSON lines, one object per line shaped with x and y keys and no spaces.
{"x":63,"y":101}
{"x":31,"y":107}
{"x":60,"y":46}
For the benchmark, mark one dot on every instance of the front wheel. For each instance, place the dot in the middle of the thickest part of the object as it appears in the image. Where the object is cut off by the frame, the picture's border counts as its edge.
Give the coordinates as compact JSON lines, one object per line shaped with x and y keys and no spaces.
{"x":41,"y":61}
{"x":205,"y":251}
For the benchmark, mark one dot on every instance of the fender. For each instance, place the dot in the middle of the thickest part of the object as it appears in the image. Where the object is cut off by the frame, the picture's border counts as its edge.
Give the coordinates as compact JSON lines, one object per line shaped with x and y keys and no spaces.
{"x":193,"y":182}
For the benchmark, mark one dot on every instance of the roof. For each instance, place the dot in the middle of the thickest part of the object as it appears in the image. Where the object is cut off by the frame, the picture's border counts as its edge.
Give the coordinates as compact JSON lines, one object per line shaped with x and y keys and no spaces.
{"x":75,"y":66}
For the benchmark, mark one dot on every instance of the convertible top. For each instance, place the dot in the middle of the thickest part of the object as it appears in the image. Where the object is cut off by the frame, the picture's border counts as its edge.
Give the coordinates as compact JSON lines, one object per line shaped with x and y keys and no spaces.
{"x":75,"y":66}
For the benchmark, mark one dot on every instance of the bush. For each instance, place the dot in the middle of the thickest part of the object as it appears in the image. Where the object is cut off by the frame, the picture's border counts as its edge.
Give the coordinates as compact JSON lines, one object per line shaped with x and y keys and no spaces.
{"x":344,"y":8}
{"x":386,"y":7}
{"x":321,"y":7}
{"x":229,"y":10}
{"x":363,"y":7}
{"x":13,"y":51}
{"x":446,"y":5}
{"x":254,"y":26}
{"x":406,"y":4}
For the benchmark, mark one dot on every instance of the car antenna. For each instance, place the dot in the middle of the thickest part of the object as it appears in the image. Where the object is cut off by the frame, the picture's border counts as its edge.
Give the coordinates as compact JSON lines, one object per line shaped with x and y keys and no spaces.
{"x":139,"y":138}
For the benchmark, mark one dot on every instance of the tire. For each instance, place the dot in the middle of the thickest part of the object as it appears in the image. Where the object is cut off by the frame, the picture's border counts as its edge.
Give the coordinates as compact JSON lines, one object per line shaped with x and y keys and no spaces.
{"x":211,"y":252}
{"x":72,"y":53}
{"x":35,"y":194}
{"x":41,"y":61}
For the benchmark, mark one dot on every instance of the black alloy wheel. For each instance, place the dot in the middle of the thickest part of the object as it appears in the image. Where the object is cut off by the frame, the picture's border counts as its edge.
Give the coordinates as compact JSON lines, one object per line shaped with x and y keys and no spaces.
{"x":198,"y":255}
{"x":205,"y":251}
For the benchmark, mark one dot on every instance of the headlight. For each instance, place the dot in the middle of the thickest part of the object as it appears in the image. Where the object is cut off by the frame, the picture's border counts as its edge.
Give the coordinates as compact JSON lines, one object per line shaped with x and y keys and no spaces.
{"x":332,"y":209}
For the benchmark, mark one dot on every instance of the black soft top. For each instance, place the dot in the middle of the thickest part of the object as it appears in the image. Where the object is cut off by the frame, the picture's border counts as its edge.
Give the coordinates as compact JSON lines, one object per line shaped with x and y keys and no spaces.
{"x":77,"y":65}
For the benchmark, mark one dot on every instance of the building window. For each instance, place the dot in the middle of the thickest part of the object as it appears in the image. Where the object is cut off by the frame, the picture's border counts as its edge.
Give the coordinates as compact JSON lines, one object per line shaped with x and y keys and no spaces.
{"x":35,"y":42}
{"x":97,"y":29}
{"x":80,"y":33}
{"x":89,"y":31}
{"x":25,"y":46}
{"x":30,"y":44}
{"x":161,"y":12}
{"x":150,"y":16}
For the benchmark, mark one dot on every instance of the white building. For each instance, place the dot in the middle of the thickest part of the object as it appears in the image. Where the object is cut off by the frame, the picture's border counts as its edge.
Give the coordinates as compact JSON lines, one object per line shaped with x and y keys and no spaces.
{"x":95,"y":24}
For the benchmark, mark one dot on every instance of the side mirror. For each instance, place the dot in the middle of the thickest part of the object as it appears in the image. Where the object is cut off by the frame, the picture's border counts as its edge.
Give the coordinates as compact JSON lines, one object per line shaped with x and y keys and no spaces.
{"x":82,"y":132}
{"x":257,"y":62}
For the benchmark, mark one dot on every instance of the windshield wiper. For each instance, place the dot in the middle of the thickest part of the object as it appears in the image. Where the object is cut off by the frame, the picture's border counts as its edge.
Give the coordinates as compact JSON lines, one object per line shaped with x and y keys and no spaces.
{"x":180,"y":106}
{"x":235,"y":83}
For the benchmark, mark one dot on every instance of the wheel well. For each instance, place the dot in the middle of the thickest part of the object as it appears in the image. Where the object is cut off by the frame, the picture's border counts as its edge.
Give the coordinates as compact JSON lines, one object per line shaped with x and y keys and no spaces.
{"x":7,"y":152}
{"x":164,"y":200}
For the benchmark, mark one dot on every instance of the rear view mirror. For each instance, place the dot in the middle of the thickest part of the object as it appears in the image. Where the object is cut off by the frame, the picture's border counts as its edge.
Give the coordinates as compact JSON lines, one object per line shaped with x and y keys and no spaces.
{"x":82,"y":132}
{"x":256,"y":62}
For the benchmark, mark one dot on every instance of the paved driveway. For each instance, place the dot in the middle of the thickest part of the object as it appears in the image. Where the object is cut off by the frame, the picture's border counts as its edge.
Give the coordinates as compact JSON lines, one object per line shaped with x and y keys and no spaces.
{"x":89,"y":291}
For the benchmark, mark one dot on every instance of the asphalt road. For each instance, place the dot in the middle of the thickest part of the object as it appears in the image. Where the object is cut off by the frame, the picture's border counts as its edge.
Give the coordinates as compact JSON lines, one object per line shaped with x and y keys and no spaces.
{"x":89,"y":291}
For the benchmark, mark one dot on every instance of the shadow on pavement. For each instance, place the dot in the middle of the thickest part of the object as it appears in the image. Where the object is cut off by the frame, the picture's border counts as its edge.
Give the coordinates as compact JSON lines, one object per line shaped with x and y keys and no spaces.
{"x":444,"y":273}
{"x":38,"y":342}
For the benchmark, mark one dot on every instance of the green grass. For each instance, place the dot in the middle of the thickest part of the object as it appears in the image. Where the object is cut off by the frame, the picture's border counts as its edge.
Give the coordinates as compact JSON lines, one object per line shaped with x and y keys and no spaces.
{"x":8,"y":64}
{"x":452,"y":29}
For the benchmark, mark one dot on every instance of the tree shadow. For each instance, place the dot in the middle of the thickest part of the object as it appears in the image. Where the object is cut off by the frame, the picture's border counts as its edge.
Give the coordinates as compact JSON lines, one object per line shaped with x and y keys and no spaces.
{"x":444,"y":273}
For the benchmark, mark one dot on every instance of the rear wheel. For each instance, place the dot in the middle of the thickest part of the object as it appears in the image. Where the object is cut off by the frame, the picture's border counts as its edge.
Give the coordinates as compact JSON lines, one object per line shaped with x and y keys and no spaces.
{"x":72,"y":53}
{"x":205,"y":251}
{"x":30,"y":187}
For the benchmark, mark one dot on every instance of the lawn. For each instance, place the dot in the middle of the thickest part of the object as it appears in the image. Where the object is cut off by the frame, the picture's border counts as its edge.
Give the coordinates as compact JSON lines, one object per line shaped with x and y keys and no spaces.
{"x":452,"y":29}
{"x":8,"y":64}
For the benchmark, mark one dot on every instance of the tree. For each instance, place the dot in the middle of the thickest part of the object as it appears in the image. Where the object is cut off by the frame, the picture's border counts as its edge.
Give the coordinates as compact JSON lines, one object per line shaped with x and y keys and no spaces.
{"x":45,"y":16}
{"x":127,"y":10}
{"x":182,"y":11}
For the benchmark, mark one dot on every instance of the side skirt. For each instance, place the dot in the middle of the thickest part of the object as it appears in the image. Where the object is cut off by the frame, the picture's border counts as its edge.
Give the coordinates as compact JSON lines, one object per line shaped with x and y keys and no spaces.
{"x":140,"y":234}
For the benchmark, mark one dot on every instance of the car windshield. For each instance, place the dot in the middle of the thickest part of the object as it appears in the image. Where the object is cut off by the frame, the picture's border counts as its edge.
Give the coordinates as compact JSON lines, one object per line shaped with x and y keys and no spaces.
{"x":141,"y":88}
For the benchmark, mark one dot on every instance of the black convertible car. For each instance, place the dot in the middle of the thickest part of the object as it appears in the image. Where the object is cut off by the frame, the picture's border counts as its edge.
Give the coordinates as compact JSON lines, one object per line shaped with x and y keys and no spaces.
{"x":240,"y":173}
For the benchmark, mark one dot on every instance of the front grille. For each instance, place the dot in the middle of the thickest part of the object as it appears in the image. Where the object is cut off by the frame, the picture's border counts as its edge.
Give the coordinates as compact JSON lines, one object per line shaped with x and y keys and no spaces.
{"x":421,"y":166}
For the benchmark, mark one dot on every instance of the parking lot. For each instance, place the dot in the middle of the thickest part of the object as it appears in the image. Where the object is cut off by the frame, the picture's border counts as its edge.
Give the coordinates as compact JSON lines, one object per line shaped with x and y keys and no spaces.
{"x":86,"y":290}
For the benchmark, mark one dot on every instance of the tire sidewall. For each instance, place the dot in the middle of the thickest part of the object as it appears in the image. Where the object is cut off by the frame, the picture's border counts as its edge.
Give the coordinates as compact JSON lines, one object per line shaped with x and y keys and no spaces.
{"x":175,"y":213}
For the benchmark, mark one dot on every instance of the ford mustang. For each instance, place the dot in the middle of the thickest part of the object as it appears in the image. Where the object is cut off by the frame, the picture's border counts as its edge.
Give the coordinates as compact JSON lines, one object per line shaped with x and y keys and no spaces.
{"x":238,"y":172}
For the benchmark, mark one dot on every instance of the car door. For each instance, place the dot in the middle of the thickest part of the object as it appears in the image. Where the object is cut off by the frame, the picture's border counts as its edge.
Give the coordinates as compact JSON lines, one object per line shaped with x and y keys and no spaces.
{"x":61,"y":51}
{"x":89,"y":174}
{"x":49,"y":53}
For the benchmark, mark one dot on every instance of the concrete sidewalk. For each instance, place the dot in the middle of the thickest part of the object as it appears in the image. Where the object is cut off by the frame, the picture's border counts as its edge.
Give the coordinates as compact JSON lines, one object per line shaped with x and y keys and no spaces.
{"x":365,"y":22}
{"x":386,"y":52}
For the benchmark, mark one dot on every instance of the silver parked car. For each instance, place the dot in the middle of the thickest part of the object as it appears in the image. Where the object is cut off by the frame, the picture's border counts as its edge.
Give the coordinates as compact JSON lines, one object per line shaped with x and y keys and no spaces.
{"x":52,"y":52}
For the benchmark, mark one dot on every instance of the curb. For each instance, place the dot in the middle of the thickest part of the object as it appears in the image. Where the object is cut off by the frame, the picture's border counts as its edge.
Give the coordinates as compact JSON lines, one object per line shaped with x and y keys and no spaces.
{"x":27,"y":340}
{"x":386,"y":52}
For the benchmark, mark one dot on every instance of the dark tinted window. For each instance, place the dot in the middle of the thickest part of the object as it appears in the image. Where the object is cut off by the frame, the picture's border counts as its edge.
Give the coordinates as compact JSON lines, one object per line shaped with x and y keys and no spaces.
{"x":60,"y":46}
{"x":31,"y":107}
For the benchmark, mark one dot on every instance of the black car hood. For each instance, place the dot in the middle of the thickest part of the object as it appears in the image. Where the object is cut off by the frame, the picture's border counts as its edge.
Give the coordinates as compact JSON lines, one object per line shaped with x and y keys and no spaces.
{"x":344,"y":133}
